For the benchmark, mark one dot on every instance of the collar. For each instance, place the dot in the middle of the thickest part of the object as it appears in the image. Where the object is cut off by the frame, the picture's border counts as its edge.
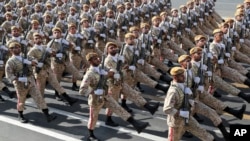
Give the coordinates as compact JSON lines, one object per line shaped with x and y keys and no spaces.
{"x":40,"y":47}
{"x":196,"y":63}
{"x":18,"y":57}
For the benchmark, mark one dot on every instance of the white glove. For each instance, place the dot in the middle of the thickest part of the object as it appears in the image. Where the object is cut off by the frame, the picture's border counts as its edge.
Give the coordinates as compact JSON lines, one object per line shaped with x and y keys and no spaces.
{"x":1,"y":62}
{"x":188,"y":91}
{"x":49,"y":50}
{"x":222,"y":45}
{"x":209,"y":55}
{"x":23,"y":79}
{"x":227,"y":55}
{"x":121,"y":58}
{"x":184,"y":114}
{"x":143,"y":45}
{"x":233,"y":48}
{"x":24,"y":42}
{"x":147,"y":15}
{"x":209,"y":73}
{"x":197,"y":80}
{"x":168,"y":37}
{"x":241,"y":40}
{"x":195,"y":23}
{"x":206,"y":14}
{"x":111,"y":31}
{"x":187,"y":29}
{"x":204,"y":67}
{"x":117,"y":76}
{"x":26,"y":61}
{"x":131,"y":23}
{"x":103,"y":35}
{"x":39,"y":65}
{"x":77,"y":48}
{"x":59,"y":55}
{"x":90,"y":41}
{"x":103,"y":72}
{"x":131,"y":68}
{"x":179,"y":33}
{"x":201,"y":88}
{"x":140,"y":61}
{"x":137,"y":53}
{"x":229,"y":39}
{"x":99,"y":92}
{"x":172,"y":26}
{"x":159,"y":41}
{"x":221,"y":61}
{"x":191,"y":102}
{"x":124,"y":27}
{"x":201,"y":19}
{"x":3,"y":47}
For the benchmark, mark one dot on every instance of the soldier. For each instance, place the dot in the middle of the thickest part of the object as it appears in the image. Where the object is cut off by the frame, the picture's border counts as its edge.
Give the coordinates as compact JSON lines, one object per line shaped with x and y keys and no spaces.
{"x":178,"y":119}
{"x":97,"y":98}
{"x":43,"y":71}
{"x":116,"y":85}
{"x":34,"y":28}
{"x":121,"y":20}
{"x":18,"y":71}
{"x":62,"y":22}
{"x":6,"y":25}
{"x":100,"y":29}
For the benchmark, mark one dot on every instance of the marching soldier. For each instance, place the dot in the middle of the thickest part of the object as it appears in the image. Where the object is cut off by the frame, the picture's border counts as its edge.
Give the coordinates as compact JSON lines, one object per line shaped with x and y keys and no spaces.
{"x":18,"y":71}
{"x":180,"y":120}
{"x":43,"y":71}
{"x":98,"y":98}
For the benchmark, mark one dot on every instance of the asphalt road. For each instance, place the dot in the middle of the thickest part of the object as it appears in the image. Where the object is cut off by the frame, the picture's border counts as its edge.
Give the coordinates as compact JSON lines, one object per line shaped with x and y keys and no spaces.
{"x":71,"y":122}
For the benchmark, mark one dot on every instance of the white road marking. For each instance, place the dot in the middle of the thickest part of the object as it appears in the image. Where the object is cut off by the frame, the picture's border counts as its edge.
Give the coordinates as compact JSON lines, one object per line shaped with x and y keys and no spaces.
{"x":37,"y":129}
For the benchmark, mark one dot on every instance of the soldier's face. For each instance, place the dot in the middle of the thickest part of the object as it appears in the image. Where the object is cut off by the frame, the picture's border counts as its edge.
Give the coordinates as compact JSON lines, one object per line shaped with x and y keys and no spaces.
{"x":156,"y":22}
{"x":130,"y":40}
{"x":61,"y":16}
{"x":247,"y":5}
{"x":15,"y":50}
{"x":99,"y":17}
{"x":57,"y":34}
{"x":145,"y":30}
{"x":95,"y":61}
{"x":49,"y":8}
{"x":128,"y":7}
{"x":201,"y":42}
{"x":37,"y":40}
{"x":85,"y":9}
{"x":136,"y":33}
{"x":110,"y":14}
{"x":239,"y":17}
{"x":186,"y":63}
{"x":175,"y":13}
{"x":37,"y":9}
{"x":218,"y":37}
{"x":35,"y":26}
{"x":47,"y":18}
{"x":184,"y":10}
{"x":15,"y":33}
{"x":85,"y":24}
{"x":112,"y":50}
{"x":72,"y":30}
{"x":224,"y":29}
{"x":179,"y":78}
{"x":197,"y":56}
{"x":8,"y":17}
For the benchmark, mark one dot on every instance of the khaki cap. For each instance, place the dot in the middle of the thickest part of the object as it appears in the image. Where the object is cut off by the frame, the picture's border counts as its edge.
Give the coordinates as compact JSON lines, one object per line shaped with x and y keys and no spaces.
{"x":198,"y":37}
{"x":195,"y":50}
{"x":183,"y":58}
{"x":176,"y":71}
{"x":91,"y":55}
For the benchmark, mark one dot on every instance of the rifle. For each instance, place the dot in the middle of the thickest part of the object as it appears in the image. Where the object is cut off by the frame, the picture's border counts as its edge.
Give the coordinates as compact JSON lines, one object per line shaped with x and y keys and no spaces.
{"x":119,"y":64}
{"x":62,"y":51}
{"x":25,"y":70}
{"x":209,"y":64}
{"x":91,"y":38}
{"x":134,"y":59}
{"x":185,"y":104}
{"x":78,"y":44}
{"x":44,"y":56}
{"x":169,"y":4}
{"x":102,"y":80}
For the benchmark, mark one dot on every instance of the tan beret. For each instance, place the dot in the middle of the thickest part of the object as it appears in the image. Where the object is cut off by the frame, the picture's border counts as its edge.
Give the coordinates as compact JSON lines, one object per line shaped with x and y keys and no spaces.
{"x":48,"y":4}
{"x":163,"y":13}
{"x":14,"y":44}
{"x":216,"y":31}
{"x":176,"y":71}
{"x":155,"y":18}
{"x":120,"y":5}
{"x":133,"y":28}
{"x":109,"y":10}
{"x":127,"y":3}
{"x":37,"y":34}
{"x":240,"y":6}
{"x":129,"y":35}
{"x":72,"y":8}
{"x":57,"y":29}
{"x":7,"y":5}
{"x":92,"y":1}
{"x":237,"y":13}
{"x":46,"y":14}
{"x":195,"y":50}
{"x":110,"y":43}
{"x":34,"y":22}
{"x":98,"y":13}
{"x":61,"y":12}
{"x":198,"y":37}
{"x":15,"y":28}
{"x":190,"y":2}
{"x":37,"y":5}
{"x":8,"y":13}
{"x":174,"y":9}
{"x":183,"y":6}
{"x":223,"y":25}
{"x":85,"y":5}
{"x":71,"y":25}
{"x":91,"y":55}
{"x":183,"y":58}
{"x":84,"y":19}
{"x":19,"y":1}
{"x":229,"y":20}
{"x":145,"y":25}
{"x":246,"y":1}
{"x":23,"y":9}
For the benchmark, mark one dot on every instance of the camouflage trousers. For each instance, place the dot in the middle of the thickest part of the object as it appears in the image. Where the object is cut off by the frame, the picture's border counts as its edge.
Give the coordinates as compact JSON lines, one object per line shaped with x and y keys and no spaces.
{"x":206,"y":111}
{"x":58,"y":69}
{"x":158,"y":64}
{"x":2,"y":85}
{"x":84,"y":54}
{"x":198,"y":31}
{"x":167,"y":53}
{"x":143,"y":78}
{"x":232,"y":64}
{"x":149,"y":70}
{"x":48,"y":75}
{"x":100,"y":44}
{"x":225,"y":86}
{"x":76,"y":60}
{"x":32,"y":90}
{"x":245,"y":49}
{"x":175,"y":133}
{"x":232,"y":74}
{"x":206,"y":30}
{"x":176,"y":48}
{"x":217,"y":17}
{"x":187,"y":44}
{"x":109,"y":102}
{"x":239,"y":56}
{"x":120,"y":35}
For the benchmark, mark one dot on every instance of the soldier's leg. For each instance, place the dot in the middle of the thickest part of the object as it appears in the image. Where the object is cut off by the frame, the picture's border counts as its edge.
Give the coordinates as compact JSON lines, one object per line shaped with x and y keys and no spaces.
{"x":158,"y":64}
{"x":54,"y":82}
{"x":239,"y":56}
{"x":58,"y":70}
{"x":175,"y":133}
{"x":194,"y":128}
{"x":245,"y":49}
{"x":187,"y":44}
{"x":113,"y":91}
{"x":76,"y":61}
{"x":93,"y":115}
{"x":73,"y":70}
{"x":167,"y":53}
{"x":237,"y":66}
{"x":147,"y":69}
{"x":41,"y":81}
{"x":177,"y":48}
{"x":233,"y":75}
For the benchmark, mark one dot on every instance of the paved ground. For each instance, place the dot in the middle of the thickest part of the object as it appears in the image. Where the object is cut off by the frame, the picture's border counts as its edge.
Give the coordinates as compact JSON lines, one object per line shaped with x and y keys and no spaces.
{"x":71,"y":121}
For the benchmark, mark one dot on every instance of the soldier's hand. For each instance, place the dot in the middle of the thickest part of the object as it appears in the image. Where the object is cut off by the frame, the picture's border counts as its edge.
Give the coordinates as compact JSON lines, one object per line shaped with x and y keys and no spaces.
{"x":53,"y":53}
{"x":33,"y":63}
{"x":111,"y":74}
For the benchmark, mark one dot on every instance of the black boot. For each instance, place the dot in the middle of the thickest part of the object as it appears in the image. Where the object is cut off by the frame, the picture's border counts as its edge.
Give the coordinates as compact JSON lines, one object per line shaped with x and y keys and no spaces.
{"x":1,"y":98}
{"x":91,"y":136}
{"x":49,"y":117}
{"x":152,"y":109}
{"x":244,"y":96}
{"x":8,"y":92}
{"x":110,"y":122}
{"x":247,"y":82}
{"x":69,"y":100}
{"x":138,"y":85}
{"x":170,"y":64}
{"x":199,"y":119}
{"x":248,"y":75}
{"x":162,"y":88}
{"x":124,"y":105}
{"x":166,"y":79}
{"x":21,"y":118}
{"x":57,"y":96}
{"x":216,"y":94}
{"x":138,"y":125}
{"x":187,"y":135}
{"x":74,"y":87}
{"x":237,"y":113}
{"x":224,"y":131}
